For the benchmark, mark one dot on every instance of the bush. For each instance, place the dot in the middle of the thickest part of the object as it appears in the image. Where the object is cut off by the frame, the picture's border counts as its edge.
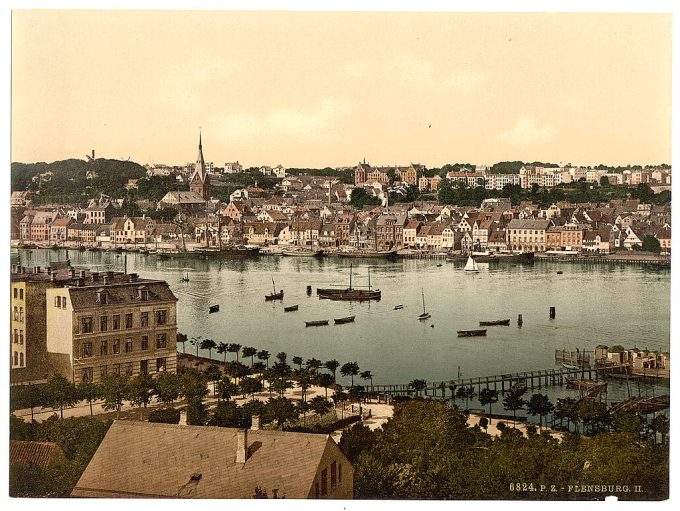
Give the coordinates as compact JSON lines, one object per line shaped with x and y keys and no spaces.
{"x":165,"y":416}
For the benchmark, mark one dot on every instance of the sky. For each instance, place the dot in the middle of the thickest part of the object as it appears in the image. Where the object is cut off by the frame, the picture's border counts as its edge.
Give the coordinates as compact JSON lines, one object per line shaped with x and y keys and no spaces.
{"x":315,"y":89}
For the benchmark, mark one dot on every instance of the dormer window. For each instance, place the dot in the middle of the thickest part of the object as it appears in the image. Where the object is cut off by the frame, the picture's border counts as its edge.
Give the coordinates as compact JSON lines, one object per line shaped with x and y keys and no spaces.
{"x":102,"y":297}
{"x":143,"y":294}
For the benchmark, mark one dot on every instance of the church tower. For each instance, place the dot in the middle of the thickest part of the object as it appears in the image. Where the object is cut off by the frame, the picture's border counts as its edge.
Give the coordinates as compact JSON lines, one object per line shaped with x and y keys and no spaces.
{"x":200,"y":181}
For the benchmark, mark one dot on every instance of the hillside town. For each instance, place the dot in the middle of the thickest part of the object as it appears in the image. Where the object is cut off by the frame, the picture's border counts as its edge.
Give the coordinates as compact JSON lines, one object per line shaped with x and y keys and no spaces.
{"x":317,"y":213}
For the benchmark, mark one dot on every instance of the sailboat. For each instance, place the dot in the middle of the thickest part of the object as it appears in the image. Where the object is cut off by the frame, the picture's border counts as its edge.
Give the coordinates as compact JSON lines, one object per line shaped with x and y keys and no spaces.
{"x":350,"y":293}
{"x":186,"y":278}
{"x":425,"y":315}
{"x":471,"y":265}
{"x":274,"y":295}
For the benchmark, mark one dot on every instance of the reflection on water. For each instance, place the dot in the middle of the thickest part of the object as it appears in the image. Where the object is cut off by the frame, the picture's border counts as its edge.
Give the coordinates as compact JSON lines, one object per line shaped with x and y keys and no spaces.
{"x":597,"y":304}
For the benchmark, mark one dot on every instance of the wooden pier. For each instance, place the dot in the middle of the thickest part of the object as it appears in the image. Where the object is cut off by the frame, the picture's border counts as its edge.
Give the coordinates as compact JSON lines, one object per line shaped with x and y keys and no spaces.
{"x":501,"y":383}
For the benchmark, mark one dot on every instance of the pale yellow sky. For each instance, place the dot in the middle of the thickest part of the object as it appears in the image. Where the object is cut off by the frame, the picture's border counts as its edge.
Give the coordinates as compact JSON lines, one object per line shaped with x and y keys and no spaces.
{"x":317,"y":89}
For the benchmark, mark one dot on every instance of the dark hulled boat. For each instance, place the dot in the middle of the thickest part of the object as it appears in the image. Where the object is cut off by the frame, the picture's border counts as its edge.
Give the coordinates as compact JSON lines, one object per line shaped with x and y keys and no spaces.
{"x":275,"y":295}
{"x":377,"y":254}
{"x":350,"y":294}
{"x":214,"y":308}
{"x":341,"y":321}
{"x":302,"y":253}
{"x":321,"y":322}
{"x":524,"y":257}
{"x":290,"y":308}
{"x":471,"y":333}
{"x":500,"y":322}
{"x":230,"y":251}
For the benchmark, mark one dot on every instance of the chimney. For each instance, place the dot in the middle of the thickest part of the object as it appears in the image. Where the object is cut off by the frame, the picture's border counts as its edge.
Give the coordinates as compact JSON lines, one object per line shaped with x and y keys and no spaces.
{"x":93,"y":154}
{"x":132,"y":277}
{"x":241,"y":445}
{"x":106,"y":279}
{"x":72,"y":272}
{"x":255,"y":423}
{"x":53,"y":276}
{"x":82,"y":274}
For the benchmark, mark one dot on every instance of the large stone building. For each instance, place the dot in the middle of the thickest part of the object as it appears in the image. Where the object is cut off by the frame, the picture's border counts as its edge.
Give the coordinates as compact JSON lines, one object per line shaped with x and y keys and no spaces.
{"x":176,"y":461}
{"x":86,"y":324}
{"x":527,"y":235}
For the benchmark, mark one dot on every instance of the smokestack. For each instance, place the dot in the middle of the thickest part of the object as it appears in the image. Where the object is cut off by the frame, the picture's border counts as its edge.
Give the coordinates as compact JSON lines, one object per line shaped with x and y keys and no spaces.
{"x":241,"y":445}
{"x":93,"y":154}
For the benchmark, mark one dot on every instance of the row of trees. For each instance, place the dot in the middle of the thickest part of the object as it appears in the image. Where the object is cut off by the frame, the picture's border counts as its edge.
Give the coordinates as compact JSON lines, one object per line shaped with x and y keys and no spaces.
{"x":427,"y":451}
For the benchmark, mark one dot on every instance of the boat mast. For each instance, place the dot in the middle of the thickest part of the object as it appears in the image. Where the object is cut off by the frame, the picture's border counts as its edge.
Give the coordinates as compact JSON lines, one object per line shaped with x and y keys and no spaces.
{"x":273,"y":285}
{"x":350,"y":277}
{"x":369,"y":278}
{"x":423,"y":291}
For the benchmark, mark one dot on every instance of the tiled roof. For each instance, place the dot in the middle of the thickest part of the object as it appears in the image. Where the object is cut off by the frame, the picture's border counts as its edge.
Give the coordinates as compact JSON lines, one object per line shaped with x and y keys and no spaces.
{"x":168,"y":460}
{"x":120,"y":293}
{"x":33,"y":453}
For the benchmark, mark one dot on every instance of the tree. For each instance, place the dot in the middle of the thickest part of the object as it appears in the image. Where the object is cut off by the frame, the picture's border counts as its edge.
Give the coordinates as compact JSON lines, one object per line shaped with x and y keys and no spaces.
{"x":226,"y":415}
{"x":280,"y":410}
{"x":280,"y":385}
{"x":514,"y":401}
{"x":234,"y":348}
{"x":355,"y":440}
{"x":222,"y":349}
{"x":651,"y":244}
{"x":166,"y":387}
{"x":196,"y":341}
{"x":629,"y":422}
{"x":488,"y":397}
{"x":249,"y":386}
{"x":140,"y":389}
{"x":484,"y":423}
{"x":594,"y":415}
{"x":319,"y":405}
{"x":193,"y":385}
{"x":249,"y":351}
{"x":165,"y":416}
{"x":367,"y":375}
{"x":325,"y":380}
{"x":661,"y":424}
{"x":304,"y":381}
{"x":350,"y":369}
{"x":539,"y":404}
{"x":282,"y":357}
{"x":418,"y":385}
{"x":213,"y":374}
{"x":61,"y":393}
{"x":182,"y":338}
{"x":226,"y":389}
{"x":114,"y":389}
{"x":332,"y":366}
{"x":313,"y":364}
{"x":208,"y":344}
{"x":566,"y":409}
{"x":298,"y":362}
{"x":90,"y":392}
{"x":264,"y":355}
{"x":360,"y":198}
{"x":339,"y":397}
{"x":466,"y":393}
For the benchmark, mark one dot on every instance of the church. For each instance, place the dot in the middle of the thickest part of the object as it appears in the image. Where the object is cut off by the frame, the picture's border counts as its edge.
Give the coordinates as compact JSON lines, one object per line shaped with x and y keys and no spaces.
{"x":200,"y":181}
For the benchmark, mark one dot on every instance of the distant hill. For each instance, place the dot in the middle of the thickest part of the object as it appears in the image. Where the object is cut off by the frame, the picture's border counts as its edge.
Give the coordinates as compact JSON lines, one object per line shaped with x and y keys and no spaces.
{"x":68,"y":182}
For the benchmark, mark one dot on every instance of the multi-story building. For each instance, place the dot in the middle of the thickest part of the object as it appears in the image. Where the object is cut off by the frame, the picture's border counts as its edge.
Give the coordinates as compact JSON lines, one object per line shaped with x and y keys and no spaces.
{"x":101,"y":323}
{"x":499,"y":181}
{"x":527,"y":235}
{"x":389,"y":232}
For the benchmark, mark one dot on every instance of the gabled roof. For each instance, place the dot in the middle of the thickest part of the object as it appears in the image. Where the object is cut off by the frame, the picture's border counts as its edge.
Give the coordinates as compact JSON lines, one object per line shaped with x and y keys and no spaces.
{"x":169,"y":460}
{"x":33,"y":453}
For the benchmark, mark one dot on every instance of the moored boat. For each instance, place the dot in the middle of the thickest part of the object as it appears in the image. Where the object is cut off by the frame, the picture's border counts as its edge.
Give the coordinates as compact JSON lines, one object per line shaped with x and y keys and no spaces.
{"x":350,"y":294}
{"x":380,"y":254}
{"x":425,"y":315}
{"x":302,"y":253}
{"x":398,"y":307}
{"x":290,"y":308}
{"x":275,"y":295}
{"x":471,"y":266}
{"x":500,"y":322}
{"x":492,"y":257}
{"x":340,"y":321}
{"x":213,"y":308}
{"x":230,"y":251}
{"x":471,"y":333}
{"x":321,"y":322}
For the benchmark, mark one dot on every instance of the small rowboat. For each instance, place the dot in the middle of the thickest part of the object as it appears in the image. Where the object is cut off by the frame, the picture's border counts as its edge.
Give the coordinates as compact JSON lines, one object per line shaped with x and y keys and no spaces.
{"x":274,"y":296}
{"x":214,"y":308}
{"x":290,"y":308}
{"x":398,"y":307}
{"x":340,"y":321}
{"x":424,"y":316}
{"x":316,"y":323}
{"x":471,"y":333}
{"x":500,"y":322}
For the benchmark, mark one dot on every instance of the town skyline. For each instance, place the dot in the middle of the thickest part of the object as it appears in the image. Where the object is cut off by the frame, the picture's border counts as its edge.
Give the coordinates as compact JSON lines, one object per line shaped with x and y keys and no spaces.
{"x":424,"y":96}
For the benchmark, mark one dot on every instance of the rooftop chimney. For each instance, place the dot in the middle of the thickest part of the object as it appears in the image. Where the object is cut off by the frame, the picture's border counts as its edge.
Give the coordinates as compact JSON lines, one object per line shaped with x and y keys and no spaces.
{"x":255,"y":423}
{"x":133,"y":277}
{"x":106,"y":279}
{"x":82,"y":274}
{"x":72,"y":272}
{"x":241,"y":445}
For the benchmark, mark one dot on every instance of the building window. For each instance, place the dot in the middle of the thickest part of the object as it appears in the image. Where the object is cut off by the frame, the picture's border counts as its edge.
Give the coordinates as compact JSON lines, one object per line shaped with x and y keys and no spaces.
{"x":57,"y":302}
{"x":128,"y":345}
{"x":21,"y":294}
{"x":86,"y":325}
{"x":16,"y":336}
{"x":16,"y":313}
{"x":116,"y":347}
{"x":87,"y":374}
{"x":115,"y":369}
{"x":103,"y":371}
{"x":160,"y":365}
{"x":324,"y":482}
{"x":128,"y":369}
{"x":145,"y":342}
{"x":103,"y":323}
{"x":16,"y":358}
{"x":144,"y":367}
{"x":116,"y":321}
{"x":144,"y":319}
{"x":161,"y":341}
{"x":316,"y":489}
{"x":87,"y":349}
{"x":161,"y":317}
{"x":333,"y":475}
{"x":21,"y":313}
{"x":102,"y":297}
{"x":104,"y":348}
{"x":16,"y":293}
{"x":128,"y":320}
{"x":339,"y":473}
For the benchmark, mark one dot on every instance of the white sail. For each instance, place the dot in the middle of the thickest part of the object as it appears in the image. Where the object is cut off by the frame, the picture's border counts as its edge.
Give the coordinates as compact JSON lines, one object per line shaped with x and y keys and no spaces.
{"x":471,"y":265}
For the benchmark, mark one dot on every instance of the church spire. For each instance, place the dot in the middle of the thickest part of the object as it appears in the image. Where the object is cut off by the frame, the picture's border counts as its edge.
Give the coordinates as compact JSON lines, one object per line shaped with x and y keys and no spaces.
{"x":200,"y":162}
